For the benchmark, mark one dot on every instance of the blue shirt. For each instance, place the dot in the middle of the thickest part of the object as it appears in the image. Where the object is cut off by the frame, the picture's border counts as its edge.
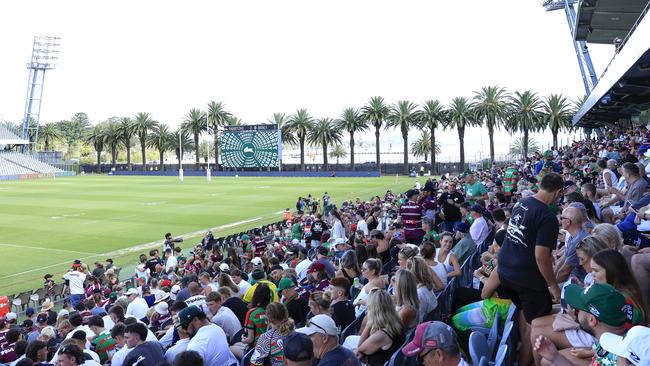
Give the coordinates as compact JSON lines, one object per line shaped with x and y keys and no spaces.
{"x":540,"y":165}
{"x":571,"y":257}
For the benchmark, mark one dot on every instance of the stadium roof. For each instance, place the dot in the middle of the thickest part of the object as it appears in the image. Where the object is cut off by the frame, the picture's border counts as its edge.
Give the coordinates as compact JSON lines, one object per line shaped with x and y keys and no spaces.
{"x":9,"y":138}
{"x":623,"y":90}
{"x":601,"y":21}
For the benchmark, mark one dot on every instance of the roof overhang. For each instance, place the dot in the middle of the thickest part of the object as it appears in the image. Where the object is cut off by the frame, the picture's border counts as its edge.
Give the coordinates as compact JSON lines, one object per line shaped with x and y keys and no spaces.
{"x":601,"y":21}
{"x":623,"y":90}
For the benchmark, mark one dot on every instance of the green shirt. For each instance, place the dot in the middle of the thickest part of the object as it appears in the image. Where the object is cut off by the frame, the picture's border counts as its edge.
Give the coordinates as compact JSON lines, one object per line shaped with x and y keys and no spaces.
{"x":431,"y":236}
{"x":475,"y":190}
{"x":256,"y":320}
{"x":296,"y":231}
{"x":104,"y":345}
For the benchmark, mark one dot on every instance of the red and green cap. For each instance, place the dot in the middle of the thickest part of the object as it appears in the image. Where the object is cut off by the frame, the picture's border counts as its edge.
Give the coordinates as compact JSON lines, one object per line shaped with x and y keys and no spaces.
{"x":603,"y":301}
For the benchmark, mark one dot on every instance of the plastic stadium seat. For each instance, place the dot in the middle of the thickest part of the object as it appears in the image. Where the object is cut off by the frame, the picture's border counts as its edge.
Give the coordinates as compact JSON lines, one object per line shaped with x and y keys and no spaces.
{"x":492,"y":333}
{"x":237,"y":336}
{"x":352,"y":329}
{"x":58,"y":291}
{"x":478,"y":347}
{"x":500,"y":358}
{"x":507,"y":339}
{"x":17,"y":303}
{"x":484,"y":361}
{"x":246,"y":360}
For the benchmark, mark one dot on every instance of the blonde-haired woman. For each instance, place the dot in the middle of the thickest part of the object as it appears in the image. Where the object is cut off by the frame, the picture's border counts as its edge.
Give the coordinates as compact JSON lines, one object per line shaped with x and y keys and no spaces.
{"x":320,"y":302}
{"x":269,"y":344}
{"x":371,"y":270}
{"x":428,"y":283}
{"x":406,"y":298}
{"x":383,"y":334}
{"x":609,"y":234}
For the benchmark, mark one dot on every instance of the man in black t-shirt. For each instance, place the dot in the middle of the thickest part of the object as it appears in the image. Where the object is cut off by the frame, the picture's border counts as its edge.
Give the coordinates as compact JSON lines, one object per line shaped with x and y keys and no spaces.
{"x":153,"y":260}
{"x":317,"y":229}
{"x":450,"y":201}
{"x":525,"y":261}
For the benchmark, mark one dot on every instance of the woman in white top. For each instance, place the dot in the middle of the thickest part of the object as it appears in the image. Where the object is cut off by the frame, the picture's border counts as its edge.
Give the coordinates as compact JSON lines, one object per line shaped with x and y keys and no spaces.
{"x":338,"y":232}
{"x":428,"y":252}
{"x":445,"y":256}
{"x":428,"y":283}
{"x":608,"y":175}
{"x":371,"y":270}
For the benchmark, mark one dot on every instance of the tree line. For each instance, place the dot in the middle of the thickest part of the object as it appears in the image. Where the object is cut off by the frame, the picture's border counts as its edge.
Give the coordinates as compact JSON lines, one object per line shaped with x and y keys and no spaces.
{"x":493,"y":107}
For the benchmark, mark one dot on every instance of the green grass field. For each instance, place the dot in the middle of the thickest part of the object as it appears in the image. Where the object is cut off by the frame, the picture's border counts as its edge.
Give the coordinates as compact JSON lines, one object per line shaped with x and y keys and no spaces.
{"x":46,"y":224}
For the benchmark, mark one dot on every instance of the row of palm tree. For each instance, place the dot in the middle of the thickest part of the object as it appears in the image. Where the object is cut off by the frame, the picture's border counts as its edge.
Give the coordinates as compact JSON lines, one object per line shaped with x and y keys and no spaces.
{"x":492,"y":106}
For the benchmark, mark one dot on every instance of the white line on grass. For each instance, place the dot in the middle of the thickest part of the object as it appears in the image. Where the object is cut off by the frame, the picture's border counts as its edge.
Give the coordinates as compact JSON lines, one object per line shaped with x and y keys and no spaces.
{"x":136,"y":248}
{"x":42,"y":248}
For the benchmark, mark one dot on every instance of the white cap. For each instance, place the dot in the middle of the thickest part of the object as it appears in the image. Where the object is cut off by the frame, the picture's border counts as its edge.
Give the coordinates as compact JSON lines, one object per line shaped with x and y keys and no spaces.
{"x":295,"y":242}
{"x":48,"y":331}
{"x":162,"y":308}
{"x":633,"y":347}
{"x":322,"y":324}
{"x":224,"y":267}
{"x":63,"y":312}
{"x":257,"y":261}
{"x":11,"y":316}
{"x":174,"y":291}
{"x":131,"y":291}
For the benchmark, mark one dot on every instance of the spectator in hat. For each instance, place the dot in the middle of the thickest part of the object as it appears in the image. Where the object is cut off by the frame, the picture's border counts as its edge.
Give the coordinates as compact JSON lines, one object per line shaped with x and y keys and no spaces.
{"x":208,"y":339}
{"x":479,"y":230}
{"x":324,"y":335}
{"x":221,"y":315}
{"x":298,"y":350}
{"x":474,"y":190}
{"x":465,"y":245}
{"x":296,"y":305}
{"x":548,"y":158}
{"x":629,"y":349}
{"x":143,"y":353}
{"x":411,"y":215}
{"x":138,"y":306}
{"x":435,"y":344}
{"x":601,"y":309}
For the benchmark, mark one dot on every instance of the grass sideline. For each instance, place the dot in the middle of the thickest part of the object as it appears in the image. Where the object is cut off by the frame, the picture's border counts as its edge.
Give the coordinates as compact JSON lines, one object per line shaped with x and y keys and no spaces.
{"x":50,"y":222}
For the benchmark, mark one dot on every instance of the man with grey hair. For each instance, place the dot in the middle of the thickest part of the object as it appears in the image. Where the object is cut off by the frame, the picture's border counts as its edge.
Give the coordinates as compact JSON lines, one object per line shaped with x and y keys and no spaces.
{"x":572,"y":220}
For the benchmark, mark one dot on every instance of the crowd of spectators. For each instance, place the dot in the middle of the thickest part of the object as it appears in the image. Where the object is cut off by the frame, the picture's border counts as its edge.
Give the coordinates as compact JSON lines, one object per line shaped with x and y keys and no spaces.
{"x":563,"y":239}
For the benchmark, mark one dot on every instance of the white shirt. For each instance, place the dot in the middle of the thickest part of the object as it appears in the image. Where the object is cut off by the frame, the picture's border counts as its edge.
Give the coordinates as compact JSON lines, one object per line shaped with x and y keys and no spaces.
{"x":198,"y":301}
{"x":91,"y":363}
{"x":108,"y":322}
{"x":171,"y":263}
{"x":120,"y":355}
{"x":227,"y":320}
{"x":479,"y":230}
{"x":301,"y":269}
{"x":76,"y":279}
{"x":363,"y":226}
{"x":138,"y":308}
{"x":337,"y":230}
{"x":179,"y":347}
{"x":168,"y":338}
{"x":243,"y":287}
{"x":210,"y":342}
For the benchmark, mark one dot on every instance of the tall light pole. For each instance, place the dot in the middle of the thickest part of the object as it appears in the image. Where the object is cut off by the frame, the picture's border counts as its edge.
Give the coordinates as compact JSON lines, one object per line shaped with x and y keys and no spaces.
{"x":44,"y":57}
{"x":208,"y":175}
{"x":180,"y":153}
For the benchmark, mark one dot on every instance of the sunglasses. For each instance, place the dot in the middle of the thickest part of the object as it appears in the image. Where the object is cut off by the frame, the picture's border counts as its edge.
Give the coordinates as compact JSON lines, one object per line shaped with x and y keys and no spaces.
{"x":309,"y":324}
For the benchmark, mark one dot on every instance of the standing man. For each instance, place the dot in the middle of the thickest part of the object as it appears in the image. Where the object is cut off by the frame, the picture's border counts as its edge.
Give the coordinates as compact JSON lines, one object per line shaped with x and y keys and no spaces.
{"x":525,"y":260}
{"x":548,"y":158}
{"x":450,"y":202}
{"x":474,"y":190}
{"x":318,"y":227}
{"x":411,"y":214}
{"x":208,"y":339}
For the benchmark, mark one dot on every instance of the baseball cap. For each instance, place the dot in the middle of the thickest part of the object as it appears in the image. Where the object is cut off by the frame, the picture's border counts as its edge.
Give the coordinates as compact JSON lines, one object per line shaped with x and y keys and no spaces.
{"x":633,"y":346}
{"x":131,"y":291}
{"x":186,"y":315}
{"x":245,"y":237}
{"x":323,"y":251}
{"x":569,"y":183}
{"x":462,"y":227}
{"x":285,"y":283}
{"x":316,"y":267}
{"x":224,"y":267}
{"x":41,"y":318}
{"x":257,"y":261}
{"x":466,"y":173}
{"x":166,"y":283}
{"x":320,"y":323}
{"x":63,"y":312}
{"x":174,"y":291}
{"x":548,"y":154}
{"x":601,"y":300}
{"x":297,"y":347}
{"x":29,"y":312}
{"x":295,"y":242}
{"x":11,"y":316}
{"x":430,"y":335}
{"x":477,"y":208}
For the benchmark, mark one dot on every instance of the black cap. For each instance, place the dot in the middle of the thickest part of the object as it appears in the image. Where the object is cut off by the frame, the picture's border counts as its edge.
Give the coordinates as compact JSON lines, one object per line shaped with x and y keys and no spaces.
{"x":298,"y":347}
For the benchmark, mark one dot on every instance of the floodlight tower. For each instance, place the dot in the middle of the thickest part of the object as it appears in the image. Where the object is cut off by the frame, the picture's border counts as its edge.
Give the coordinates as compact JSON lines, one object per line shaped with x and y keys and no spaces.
{"x":44,"y":57}
{"x":589,"y":78}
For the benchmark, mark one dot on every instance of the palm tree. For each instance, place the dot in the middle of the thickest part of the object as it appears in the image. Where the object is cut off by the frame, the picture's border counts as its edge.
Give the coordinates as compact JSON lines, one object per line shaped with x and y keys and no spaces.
{"x":557,"y":114}
{"x":183,"y":143}
{"x":217,"y":116}
{"x":491,"y":105}
{"x":324,"y":133}
{"x":432,"y":116}
{"x":143,"y":124}
{"x":524,"y":115}
{"x":376,"y":112}
{"x":338,"y":153}
{"x":160,"y":139}
{"x":48,"y":134}
{"x":403,"y":115}
{"x":281,"y":120}
{"x":460,"y":116}
{"x":351,"y":121}
{"x":96,"y":138}
{"x":517,"y":146}
{"x":127,"y":130}
{"x":300,"y":123}
{"x":233,"y":121}
{"x":422,"y":146}
{"x":113,"y":138}
{"x":195,"y":123}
